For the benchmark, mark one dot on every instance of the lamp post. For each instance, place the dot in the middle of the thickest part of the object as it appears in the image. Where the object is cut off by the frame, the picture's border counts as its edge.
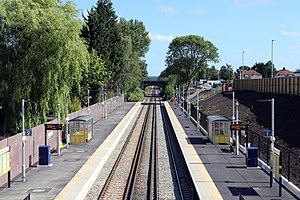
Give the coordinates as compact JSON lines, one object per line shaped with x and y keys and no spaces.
{"x":237,"y":132}
{"x":179,"y":98}
{"x":198,"y":110}
{"x":67,"y":122}
{"x":23,"y":142}
{"x":58,"y":132}
{"x":272,"y":57}
{"x":273,"y":122}
{"x":89,"y":111}
{"x":189,"y":103}
{"x":242,"y":70}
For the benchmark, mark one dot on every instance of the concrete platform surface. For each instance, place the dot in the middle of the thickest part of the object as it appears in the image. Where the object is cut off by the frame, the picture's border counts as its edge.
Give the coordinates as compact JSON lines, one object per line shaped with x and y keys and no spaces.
{"x":227,"y":170}
{"x":47,"y":182}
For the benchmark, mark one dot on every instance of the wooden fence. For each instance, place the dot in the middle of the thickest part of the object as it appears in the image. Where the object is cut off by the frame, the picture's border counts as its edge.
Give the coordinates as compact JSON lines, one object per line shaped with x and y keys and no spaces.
{"x":284,"y":85}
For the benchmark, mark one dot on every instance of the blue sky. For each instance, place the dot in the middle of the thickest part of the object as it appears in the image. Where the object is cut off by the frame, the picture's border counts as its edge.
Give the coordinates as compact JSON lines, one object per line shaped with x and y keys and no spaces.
{"x":232,"y":26}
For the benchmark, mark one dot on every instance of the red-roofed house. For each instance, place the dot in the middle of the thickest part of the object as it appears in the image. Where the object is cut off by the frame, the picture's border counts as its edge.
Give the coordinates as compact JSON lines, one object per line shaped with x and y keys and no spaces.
{"x":283,"y":73}
{"x":251,"y":74}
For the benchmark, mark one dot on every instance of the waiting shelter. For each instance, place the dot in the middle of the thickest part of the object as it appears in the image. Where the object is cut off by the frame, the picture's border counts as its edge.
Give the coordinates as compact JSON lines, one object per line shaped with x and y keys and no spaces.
{"x":218,"y":129}
{"x":81,"y":129}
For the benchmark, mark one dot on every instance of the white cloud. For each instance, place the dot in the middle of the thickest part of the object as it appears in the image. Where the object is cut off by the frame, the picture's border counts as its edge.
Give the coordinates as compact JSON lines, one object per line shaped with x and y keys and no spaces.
{"x":281,"y":25}
{"x":168,"y":10}
{"x":247,"y":3}
{"x":290,"y":34}
{"x":161,"y":38}
{"x":200,"y":11}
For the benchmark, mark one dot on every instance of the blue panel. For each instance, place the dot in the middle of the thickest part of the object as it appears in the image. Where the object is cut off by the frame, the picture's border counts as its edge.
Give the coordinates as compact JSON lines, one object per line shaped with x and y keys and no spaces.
{"x":44,"y":155}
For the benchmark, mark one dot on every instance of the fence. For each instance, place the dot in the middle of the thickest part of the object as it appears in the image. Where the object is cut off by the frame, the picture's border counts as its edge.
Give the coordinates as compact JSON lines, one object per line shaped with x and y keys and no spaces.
{"x":291,"y":162}
{"x":38,"y":137}
{"x":283,"y":85}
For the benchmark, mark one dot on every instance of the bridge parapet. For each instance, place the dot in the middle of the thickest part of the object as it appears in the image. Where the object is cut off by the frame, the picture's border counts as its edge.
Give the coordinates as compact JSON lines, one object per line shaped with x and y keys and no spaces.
{"x":153,"y":80}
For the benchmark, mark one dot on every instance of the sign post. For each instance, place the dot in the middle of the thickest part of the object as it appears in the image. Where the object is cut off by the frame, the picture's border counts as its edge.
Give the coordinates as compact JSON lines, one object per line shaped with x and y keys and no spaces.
{"x":51,"y":127}
{"x":238,"y":128}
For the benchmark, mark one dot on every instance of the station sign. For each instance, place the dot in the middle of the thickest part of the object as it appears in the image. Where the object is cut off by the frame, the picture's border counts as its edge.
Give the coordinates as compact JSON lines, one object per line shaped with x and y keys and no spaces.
{"x":53,"y":126}
{"x":28,"y":132}
{"x":239,"y":127}
{"x":267,"y":133}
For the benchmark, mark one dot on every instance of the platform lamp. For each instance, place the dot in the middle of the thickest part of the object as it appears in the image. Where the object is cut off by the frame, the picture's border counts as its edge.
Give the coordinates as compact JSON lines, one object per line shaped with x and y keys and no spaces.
{"x":23,"y":142}
{"x":272,"y":57}
{"x":58,"y":132}
{"x":237,"y":132}
{"x":67,"y":122}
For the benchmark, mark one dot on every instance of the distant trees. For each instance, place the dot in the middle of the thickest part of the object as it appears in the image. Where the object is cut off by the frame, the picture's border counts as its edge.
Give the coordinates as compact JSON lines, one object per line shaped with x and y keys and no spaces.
{"x":226,"y":72}
{"x":135,"y":41}
{"x":264,"y":69}
{"x":187,"y":56}
{"x":122,"y":45}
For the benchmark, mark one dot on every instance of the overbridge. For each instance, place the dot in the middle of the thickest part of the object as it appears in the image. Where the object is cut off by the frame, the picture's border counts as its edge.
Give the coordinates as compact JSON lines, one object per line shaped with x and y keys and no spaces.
{"x":153,"y":80}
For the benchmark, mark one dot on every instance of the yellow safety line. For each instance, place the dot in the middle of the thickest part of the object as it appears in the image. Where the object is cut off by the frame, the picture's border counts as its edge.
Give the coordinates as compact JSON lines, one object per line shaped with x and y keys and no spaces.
{"x":210,"y":185}
{"x":89,"y":165}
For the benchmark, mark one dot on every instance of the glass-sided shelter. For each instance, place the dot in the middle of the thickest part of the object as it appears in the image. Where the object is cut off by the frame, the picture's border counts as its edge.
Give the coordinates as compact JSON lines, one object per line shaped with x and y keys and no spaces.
{"x":81,"y":129}
{"x":218,"y":129}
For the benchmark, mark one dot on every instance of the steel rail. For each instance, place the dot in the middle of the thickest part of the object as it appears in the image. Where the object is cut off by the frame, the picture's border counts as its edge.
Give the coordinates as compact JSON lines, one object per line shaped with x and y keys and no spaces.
{"x":129,"y":189}
{"x":167,"y":131}
{"x":108,"y":180}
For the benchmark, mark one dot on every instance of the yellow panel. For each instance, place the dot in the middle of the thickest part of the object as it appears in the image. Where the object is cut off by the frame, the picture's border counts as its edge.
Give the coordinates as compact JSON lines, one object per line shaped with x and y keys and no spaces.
{"x":1,"y":165}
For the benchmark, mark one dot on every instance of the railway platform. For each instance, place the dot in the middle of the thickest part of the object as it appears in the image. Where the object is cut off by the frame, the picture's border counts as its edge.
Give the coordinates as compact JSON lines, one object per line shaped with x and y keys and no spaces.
{"x":58,"y":181}
{"x":217,"y":173}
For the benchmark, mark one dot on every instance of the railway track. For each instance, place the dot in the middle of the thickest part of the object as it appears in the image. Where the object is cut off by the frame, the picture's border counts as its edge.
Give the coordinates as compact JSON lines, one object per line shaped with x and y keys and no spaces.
{"x":135,"y":174}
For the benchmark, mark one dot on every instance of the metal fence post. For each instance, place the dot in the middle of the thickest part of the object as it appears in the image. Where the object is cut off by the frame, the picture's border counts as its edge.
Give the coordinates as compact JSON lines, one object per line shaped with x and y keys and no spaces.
{"x":289,"y":164}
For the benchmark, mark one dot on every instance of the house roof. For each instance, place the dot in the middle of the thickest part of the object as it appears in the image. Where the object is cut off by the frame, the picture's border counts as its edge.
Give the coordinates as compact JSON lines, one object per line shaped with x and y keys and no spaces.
{"x":284,"y":72}
{"x":251,"y":72}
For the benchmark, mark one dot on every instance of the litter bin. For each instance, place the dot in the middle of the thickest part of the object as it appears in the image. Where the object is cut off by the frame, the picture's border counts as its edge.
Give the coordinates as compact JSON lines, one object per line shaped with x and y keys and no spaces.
{"x":252,"y":157}
{"x":44,"y":155}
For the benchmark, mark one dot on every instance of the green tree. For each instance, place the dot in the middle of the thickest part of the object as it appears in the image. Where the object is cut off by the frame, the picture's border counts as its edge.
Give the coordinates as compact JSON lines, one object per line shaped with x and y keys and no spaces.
{"x":95,"y":77}
{"x":212,"y":73}
{"x":41,"y":57}
{"x":264,"y":69}
{"x":226,"y":72}
{"x":187,"y":55}
{"x":102,"y":34}
{"x":135,"y":43}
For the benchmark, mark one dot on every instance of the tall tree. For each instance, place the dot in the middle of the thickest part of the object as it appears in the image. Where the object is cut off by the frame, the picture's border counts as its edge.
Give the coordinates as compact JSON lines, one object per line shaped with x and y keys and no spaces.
{"x":102,"y":34}
{"x":188,"y":54}
{"x":41,"y":58}
{"x":136,"y":43}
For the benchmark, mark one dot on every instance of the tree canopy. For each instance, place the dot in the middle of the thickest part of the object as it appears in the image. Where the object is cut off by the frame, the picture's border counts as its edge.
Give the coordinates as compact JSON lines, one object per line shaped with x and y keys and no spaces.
{"x":48,"y":52}
{"x":188,"y":55}
{"x":41,"y":58}
{"x":121,"y":44}
{"x":226,"y":72}
{"x":264,"y":69}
